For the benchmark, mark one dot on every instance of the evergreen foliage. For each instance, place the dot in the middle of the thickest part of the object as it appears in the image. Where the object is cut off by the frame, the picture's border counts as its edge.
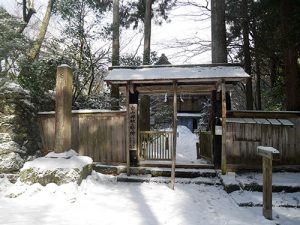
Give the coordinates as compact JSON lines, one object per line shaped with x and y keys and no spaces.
{"x":85,"y":44}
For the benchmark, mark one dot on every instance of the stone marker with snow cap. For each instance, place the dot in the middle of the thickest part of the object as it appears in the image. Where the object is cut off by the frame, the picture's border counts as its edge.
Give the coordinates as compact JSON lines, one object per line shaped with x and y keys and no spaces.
{"x":63,"y":165}
{"x":58,"y":168}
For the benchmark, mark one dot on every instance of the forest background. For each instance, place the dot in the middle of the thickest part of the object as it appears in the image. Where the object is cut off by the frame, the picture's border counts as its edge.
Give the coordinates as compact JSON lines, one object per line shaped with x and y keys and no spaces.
{"x":37,"y":36}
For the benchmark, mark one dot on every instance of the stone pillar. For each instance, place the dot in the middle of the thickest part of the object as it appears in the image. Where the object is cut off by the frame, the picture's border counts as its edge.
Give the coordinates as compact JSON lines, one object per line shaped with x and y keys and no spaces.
{"x":63,"y":108}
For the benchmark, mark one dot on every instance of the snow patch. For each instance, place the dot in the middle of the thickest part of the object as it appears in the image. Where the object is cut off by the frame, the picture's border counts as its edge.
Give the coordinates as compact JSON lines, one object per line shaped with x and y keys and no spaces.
{"x":66,"y":155}
{"x":52,"y":161}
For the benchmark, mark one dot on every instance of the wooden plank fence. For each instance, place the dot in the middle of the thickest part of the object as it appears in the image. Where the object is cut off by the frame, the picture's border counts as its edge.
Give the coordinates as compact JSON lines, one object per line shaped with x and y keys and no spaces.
{"x":95,"y":133}
{"x":248,"y":129}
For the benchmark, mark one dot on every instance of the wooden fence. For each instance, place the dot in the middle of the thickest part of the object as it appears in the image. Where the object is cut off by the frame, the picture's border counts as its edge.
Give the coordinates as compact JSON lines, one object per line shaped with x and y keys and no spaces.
{"x":156,"y":145}
{"x":95,"y":133}
{"x":248,"y":129}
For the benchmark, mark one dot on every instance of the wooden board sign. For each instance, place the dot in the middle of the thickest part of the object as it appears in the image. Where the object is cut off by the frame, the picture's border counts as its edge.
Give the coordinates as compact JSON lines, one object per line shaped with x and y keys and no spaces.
{"x":132,"y":126}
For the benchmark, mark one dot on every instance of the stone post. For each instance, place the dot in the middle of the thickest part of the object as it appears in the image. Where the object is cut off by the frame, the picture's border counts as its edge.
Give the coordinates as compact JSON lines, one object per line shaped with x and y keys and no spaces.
{"x":63,"y":108}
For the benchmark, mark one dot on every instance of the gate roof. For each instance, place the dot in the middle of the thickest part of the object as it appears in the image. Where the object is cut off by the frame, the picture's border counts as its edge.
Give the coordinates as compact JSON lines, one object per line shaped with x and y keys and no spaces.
{"x":189,"y":78}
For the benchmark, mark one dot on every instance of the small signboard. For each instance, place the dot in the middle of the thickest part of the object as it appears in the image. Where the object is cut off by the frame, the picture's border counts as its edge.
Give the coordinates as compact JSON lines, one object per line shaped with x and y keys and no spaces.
{"x":132,"y":126}
{"x":218,"y":130}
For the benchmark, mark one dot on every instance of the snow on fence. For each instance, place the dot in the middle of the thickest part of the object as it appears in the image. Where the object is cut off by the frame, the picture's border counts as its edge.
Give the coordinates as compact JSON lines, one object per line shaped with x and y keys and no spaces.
{"x":247,"y":130}
{"x":95,"y":133}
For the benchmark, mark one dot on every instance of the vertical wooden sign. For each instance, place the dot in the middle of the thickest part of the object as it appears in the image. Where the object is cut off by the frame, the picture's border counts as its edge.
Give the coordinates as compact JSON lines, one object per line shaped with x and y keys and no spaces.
{"x":132,"y":126}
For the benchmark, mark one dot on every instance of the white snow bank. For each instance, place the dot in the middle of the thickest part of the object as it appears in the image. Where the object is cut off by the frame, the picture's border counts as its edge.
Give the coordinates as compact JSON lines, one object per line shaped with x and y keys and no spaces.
{"x":186,"y":147}
{"x":53,"y":161}
{"x":98,"y":200}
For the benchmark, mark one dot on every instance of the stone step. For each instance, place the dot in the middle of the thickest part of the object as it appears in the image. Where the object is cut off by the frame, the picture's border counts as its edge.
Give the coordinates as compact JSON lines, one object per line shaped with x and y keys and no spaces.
{"x":167,"y":180}
{"x":255,"y":199}
{"x":184,"y":166}
{"x":154,"y":171}
{"x":231,"y":184}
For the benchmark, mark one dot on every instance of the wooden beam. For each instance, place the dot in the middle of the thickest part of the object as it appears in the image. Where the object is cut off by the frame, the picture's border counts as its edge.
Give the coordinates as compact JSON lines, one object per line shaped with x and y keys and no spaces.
{"x":264,"y":114}
{"x":127,"y":130}
{"x":174,"y":135}
{"x":154,"y":89}
{"x":223,"y":160}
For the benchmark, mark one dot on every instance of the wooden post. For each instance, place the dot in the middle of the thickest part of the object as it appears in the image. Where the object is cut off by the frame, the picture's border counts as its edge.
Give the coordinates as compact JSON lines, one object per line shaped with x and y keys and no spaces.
{"x":174,"y":134}
{"x":267,"y":154}
{"x":127,"y":130}
{"x":267,"y":188}
{"x":224,"y":160}
{"x":63,"y":108}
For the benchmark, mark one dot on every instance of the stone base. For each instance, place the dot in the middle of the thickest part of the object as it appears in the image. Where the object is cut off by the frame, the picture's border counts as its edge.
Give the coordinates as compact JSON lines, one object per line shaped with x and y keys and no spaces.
{"x":58,"y":170}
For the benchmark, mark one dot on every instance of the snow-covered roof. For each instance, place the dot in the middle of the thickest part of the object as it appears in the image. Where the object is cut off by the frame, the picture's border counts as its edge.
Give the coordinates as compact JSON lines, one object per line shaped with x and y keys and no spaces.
{"x":204,"y":72}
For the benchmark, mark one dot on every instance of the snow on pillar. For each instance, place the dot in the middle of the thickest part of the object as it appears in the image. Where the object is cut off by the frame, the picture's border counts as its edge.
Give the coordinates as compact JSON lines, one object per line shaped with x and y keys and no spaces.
{"x":63,"y":108}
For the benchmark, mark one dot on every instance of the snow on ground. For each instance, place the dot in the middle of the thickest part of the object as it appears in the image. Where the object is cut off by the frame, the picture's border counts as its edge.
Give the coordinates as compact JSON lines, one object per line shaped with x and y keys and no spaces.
{"x":256,"y":198}
{"x":102,"y":200}
{"x":278,"y":179}
{"x":186,"y":147}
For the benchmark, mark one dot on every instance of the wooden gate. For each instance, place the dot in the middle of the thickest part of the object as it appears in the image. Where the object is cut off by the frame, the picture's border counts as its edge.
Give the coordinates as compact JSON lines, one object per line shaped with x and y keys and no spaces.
{"x":156,"y":145}
{"x":206,"y":145}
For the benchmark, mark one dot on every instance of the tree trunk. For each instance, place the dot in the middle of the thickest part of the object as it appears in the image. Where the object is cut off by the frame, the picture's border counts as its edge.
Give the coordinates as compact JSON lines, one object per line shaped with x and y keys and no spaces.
{"x":116,"y":34}
{"x":257,"y":68}
{"x":218,"y":32}
{"x":247,"y":57}
{"x":147,"y":32}
{"x":219,"y":55}
{"x":288,"y":8}
{"x":115,"y":52}
{"x":27,"y":13}
{"x":34,"y":53}
{"x":35,"y":50}
{"x":258,"y":86}
{"x":145,"y":100}
{"x":273,"y":70}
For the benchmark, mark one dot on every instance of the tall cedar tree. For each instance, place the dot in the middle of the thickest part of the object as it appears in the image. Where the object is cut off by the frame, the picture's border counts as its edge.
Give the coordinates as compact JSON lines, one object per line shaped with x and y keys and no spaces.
{"x":289,"y":10}
{"x":145,"y":100}
{"x":115,"y":51}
